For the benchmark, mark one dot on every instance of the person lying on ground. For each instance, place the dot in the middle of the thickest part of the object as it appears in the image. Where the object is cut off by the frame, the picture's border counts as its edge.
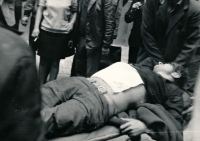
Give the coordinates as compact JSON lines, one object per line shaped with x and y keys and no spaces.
{"x":76,"y":104}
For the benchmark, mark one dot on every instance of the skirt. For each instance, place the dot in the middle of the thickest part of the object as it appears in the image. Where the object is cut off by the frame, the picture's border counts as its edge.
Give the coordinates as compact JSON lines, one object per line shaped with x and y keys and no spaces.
{"x":53,"y":45}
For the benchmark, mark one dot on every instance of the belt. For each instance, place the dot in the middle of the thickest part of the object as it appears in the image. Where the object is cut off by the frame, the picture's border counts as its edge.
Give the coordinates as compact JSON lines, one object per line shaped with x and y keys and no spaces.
{"x":103,"y":90}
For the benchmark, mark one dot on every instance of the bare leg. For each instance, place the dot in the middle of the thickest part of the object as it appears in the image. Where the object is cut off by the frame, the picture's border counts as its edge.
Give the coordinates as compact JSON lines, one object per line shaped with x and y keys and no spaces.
{"x":44,"y":69}
{"x":54,"y":69}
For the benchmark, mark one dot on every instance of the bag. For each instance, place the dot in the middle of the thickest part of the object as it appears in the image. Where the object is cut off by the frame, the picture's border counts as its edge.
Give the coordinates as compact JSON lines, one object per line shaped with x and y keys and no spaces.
{"x":70,"y":49}
{"x":113,"y":57}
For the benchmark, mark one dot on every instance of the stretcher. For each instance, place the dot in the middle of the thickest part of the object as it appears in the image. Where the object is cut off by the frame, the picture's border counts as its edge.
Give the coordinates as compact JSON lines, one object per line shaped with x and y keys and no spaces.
{"x":106,"y":133}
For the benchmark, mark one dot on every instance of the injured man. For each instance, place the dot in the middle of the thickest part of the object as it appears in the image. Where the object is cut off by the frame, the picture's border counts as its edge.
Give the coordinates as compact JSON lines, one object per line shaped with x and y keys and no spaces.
{"x":76,"y":104}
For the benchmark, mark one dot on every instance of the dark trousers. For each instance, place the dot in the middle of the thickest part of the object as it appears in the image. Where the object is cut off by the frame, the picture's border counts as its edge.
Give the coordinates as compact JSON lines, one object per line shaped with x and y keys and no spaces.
{"x":73,"y":105}
{"x":86,"y":59}
{"x":132,"y":55}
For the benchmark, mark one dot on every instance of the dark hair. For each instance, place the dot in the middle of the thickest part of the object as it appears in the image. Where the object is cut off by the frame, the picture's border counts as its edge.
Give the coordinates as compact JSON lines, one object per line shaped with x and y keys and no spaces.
{"x":183,"y":74}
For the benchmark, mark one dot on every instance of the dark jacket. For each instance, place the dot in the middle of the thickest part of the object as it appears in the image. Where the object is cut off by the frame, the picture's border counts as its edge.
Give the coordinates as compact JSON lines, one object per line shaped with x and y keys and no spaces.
{"x":164,"y":126}
{"x":118,"y":4}
{"x":100,"y":22}
{"x":161,"y":91}
{"x":30,"y":7}
{"x":175,"y":38}
{"x":20,"y":97}
{"x":135,"y":16}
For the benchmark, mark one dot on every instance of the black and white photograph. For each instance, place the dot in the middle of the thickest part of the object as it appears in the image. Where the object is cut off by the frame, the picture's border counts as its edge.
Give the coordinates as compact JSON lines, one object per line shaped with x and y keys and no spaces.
{"x":99,"y":70}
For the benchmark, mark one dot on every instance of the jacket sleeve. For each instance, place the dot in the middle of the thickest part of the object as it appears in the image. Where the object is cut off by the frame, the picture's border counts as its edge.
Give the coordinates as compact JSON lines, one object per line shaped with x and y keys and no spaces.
{"x":109,"y":21}
{"x":28,"y":7}
{"x":149,"y":62}
{"x":147,"y":30}
{"x":130,"y":14}
{"x":192,"y":40}
{"x":174,"y":102}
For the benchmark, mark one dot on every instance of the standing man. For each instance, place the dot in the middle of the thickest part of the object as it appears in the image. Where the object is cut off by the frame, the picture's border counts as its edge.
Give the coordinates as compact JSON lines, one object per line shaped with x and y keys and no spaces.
{"x":171,"y":30}
{"x":95,"y":29}
{"x":30,"y":7}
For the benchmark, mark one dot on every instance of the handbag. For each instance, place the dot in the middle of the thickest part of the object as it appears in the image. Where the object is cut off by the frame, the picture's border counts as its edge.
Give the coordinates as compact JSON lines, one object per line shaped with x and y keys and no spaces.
{"x":113,"y":57}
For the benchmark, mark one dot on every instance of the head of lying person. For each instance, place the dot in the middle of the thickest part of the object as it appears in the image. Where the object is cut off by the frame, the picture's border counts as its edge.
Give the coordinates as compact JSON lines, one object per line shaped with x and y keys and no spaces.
{"x":171,"y":71}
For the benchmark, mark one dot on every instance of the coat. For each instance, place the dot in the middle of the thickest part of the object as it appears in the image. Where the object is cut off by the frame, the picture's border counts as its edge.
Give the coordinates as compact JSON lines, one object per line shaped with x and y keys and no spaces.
{"x":135,"y":16}
{"x":100,"y":24}
{"x":175,"y":38}
{"x":20,"y":97}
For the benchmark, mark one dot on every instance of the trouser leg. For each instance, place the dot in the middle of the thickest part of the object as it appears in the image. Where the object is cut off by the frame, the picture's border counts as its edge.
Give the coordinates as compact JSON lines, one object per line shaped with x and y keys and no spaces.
{"x":93,"y":59}
{"x":133,"y":53}
{"x":80,"y":59}
{"x":67,"y":118}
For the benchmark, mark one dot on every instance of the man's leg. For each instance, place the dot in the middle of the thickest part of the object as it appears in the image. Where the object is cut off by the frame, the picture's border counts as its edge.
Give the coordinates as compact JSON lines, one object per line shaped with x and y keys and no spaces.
{"x":65,"y":119}
{"x":133,"y":53}
{"x":72,"y":105}
{"x":93,"y":59}
{"x":80,"y":59}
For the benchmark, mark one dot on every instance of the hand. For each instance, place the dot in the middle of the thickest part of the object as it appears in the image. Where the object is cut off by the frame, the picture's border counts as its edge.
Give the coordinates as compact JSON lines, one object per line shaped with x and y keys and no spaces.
{"x":24,"y":20}
{"x":35,"y":32}
{"x":105,"y":51}
{"x":190,"y":109}
{"x":69,"y":27}
{"x":133,"y":127}
{"x":137,"y":5}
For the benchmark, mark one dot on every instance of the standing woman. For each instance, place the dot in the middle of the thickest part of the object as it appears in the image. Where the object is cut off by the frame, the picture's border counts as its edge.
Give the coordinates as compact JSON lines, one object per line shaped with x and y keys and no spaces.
{"x":134,"y":14}
{"x":54,"y":22}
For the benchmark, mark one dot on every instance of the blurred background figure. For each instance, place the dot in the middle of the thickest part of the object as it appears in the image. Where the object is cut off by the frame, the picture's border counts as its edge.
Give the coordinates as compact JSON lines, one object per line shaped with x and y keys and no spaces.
{"x":20,"y":97}
{"x":30,"y":9}
{"x":134,"y":14}
{"x":57,"y":20}
{"x":11,"y":12}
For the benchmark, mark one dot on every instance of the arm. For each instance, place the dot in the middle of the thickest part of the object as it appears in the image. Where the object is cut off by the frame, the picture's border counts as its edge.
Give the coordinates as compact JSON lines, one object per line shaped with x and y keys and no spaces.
{"x":149,"y":62}
{"x":134,"y":127}
{"x":74,"y":9}
{"x":130,"y":14}
{"x":192,"y":40}
{"x":36,"y":29}
{"x":109,"y":21}
{"x":174,"y":101}
{"x":147,"y":31}
{"x":28,"y":8}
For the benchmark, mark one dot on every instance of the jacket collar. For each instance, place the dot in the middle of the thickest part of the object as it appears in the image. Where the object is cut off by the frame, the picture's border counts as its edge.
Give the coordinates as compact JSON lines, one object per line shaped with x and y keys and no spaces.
{"x":91,"y":4}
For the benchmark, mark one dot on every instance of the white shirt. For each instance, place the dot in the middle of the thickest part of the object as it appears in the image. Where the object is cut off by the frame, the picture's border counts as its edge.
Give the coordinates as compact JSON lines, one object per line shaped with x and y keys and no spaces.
{"x":120,"y":76}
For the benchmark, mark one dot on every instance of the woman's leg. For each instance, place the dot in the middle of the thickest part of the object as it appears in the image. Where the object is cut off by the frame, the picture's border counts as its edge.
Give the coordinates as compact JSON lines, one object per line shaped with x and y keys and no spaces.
{"x":44,"y":69}
{"x":54,"y":69}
